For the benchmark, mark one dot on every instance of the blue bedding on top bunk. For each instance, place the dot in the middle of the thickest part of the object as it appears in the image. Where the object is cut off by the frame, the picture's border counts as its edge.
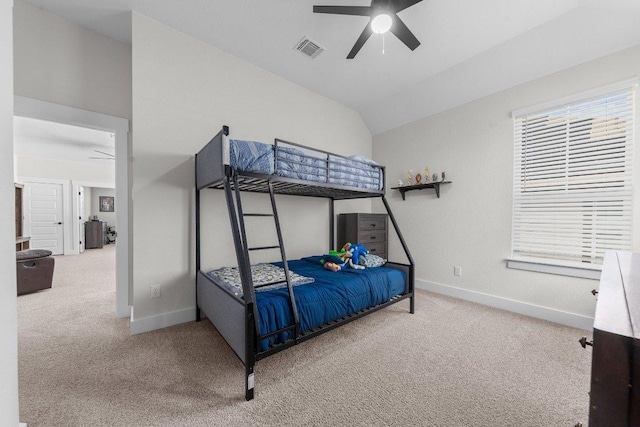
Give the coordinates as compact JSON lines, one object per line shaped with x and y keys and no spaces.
{"x":330,"y":297}
{"x":293,"y":163}
{"x":252,"y":156}
{"x":354,"y":173}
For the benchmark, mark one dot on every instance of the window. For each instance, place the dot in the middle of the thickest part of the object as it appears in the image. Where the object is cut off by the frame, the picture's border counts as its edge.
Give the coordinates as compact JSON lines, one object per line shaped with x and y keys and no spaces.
{"x":572,"y":195}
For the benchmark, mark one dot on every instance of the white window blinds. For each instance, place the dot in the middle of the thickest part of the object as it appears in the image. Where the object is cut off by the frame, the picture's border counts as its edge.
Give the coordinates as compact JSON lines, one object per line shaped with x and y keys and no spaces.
{"x":573,"y":173}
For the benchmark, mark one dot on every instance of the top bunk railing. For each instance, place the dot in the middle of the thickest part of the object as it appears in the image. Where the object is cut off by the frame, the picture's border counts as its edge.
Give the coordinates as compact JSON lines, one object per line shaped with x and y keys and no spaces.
{"x":328,"y":158}
{"x":297,"y":170}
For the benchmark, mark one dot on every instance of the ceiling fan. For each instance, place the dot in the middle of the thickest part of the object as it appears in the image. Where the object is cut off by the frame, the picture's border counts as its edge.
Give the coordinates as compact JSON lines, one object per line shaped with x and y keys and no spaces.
{"x":382,"y":18}
{"x":109,"y":156}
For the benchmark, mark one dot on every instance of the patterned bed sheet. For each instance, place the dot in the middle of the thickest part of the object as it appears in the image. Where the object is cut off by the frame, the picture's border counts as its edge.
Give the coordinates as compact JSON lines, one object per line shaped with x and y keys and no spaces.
{"x":261,"y":274}
{"x":253,"y":156}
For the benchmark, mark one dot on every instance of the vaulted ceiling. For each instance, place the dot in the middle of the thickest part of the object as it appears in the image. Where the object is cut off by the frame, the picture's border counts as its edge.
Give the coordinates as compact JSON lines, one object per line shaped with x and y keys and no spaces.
{"x":469,"y":48}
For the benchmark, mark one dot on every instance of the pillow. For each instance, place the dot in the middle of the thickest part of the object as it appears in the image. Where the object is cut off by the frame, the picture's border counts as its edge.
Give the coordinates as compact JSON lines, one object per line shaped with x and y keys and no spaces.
{"x":371,"y":260}
{"x":363,"y":159}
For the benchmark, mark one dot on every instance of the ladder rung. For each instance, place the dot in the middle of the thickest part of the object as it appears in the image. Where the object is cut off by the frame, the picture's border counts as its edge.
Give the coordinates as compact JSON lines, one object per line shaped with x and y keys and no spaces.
{"x":260,"y":248}
{"x":257,"y":214}
{"x":269,"y":284}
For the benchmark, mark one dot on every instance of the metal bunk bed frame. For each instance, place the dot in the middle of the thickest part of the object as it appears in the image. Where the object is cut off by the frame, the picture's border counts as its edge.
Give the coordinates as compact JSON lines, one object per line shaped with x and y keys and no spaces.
{"x":236,"y":318}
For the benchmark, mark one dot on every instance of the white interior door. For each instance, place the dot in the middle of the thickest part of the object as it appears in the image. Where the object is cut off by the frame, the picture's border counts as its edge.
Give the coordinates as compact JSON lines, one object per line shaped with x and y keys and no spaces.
{"x":81,"y":217}
{"x":43,"y":216}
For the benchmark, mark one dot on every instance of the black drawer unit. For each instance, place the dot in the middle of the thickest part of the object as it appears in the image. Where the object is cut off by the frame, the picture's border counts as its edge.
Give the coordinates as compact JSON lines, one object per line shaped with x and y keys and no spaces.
{"x":370,"y":230}
{"x":615,"y":364}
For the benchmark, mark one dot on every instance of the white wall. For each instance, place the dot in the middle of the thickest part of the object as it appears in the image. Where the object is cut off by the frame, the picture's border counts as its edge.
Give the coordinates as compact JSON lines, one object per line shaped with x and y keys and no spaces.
{"x":470,"y":225}
{"x":183,"y":92}
{"x":39,"y":167}
{"x":8,"y":316}
{"x":88,"y":194}
{"x":61,"y":62}
{"x":109,"y":217}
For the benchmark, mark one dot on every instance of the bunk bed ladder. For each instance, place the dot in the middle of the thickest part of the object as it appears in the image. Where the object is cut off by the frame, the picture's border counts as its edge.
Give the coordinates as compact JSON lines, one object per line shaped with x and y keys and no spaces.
{"x":280,"y":246}
{"x":285,"y":264}
{"x":253,"y":336}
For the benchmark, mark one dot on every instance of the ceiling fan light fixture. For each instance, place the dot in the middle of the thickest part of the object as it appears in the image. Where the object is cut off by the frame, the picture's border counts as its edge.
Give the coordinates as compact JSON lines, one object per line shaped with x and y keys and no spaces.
{"x":381,"y":23}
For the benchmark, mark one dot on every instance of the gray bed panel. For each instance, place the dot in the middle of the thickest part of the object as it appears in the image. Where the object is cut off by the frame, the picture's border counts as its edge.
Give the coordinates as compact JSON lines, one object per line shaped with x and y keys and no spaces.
{"x":209,"y":162}
{"x":224,"y":312}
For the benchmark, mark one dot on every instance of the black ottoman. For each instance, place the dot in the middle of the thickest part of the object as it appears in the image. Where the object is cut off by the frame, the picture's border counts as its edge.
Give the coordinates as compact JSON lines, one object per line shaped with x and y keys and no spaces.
{"x":34,"y":270}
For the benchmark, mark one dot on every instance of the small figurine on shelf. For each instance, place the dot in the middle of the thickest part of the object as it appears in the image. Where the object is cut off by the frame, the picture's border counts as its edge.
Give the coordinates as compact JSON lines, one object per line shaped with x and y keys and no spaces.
{"x":426,"y":174}
{"x":418,"y":179}
{"x":434,"y":177}
{"x":399,"y":183}
{"x":409,"y":182}
{"x":443,"y":173}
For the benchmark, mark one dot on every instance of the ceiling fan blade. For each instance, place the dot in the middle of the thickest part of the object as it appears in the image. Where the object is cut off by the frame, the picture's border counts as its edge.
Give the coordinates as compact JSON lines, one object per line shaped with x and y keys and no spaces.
{"x":366,"y":33}
{"x":403,"y":4}
{"x":401,"y":31}
{"x":343,"y":10}
{"x":102,"y":152}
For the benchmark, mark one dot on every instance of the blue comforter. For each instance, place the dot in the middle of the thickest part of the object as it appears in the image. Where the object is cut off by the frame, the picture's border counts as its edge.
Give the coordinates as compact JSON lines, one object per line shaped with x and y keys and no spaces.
{"x":332,"y":296}
{"x":252,"y":156}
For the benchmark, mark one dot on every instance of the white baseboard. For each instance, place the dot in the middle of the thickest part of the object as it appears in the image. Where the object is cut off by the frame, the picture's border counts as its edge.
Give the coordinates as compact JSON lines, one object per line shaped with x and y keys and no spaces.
{"x":147,"y":324}
{"x":22,"y":425}
{"x":545,"y":313}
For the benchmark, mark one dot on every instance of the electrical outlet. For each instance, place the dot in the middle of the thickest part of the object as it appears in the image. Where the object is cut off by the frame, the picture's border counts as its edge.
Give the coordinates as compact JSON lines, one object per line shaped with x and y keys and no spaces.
{"x":457,"y":270}
{"x":155,"y":291}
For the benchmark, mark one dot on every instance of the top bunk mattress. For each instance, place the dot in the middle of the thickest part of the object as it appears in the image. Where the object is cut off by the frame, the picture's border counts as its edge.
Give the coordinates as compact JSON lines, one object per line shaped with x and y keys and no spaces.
{"x":258,"y":157}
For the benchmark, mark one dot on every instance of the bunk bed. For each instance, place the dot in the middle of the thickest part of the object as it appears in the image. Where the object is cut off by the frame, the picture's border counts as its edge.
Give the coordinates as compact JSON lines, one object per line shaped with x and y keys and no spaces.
{"x":298,"y":299}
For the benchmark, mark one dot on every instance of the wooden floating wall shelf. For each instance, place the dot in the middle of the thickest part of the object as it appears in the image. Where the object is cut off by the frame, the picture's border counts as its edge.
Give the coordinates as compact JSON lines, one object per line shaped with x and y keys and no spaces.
{"x":434,"y":185}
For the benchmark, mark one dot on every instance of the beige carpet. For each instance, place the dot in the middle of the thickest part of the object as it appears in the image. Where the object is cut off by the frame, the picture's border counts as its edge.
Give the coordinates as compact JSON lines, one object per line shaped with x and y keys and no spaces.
{"x":453,"y":363}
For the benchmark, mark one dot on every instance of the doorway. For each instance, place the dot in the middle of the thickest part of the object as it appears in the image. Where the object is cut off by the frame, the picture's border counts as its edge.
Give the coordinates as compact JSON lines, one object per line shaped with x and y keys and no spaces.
{"x":42,"y":210}
{"x":119,"y":127}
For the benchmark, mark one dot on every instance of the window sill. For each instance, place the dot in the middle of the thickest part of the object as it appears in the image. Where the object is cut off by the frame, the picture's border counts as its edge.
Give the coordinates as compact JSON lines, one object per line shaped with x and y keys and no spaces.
{"x":547,"y":266}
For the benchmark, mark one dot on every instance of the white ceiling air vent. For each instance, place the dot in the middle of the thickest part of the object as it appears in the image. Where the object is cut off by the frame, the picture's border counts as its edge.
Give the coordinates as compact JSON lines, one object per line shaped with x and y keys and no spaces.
{"x":309,"y":48}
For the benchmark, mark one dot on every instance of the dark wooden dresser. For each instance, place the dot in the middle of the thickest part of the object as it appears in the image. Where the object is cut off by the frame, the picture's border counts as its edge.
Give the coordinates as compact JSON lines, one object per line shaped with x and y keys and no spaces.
{"x":367,"y":229}
{"x":94,"y":234}
{"x":615,"y":367}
